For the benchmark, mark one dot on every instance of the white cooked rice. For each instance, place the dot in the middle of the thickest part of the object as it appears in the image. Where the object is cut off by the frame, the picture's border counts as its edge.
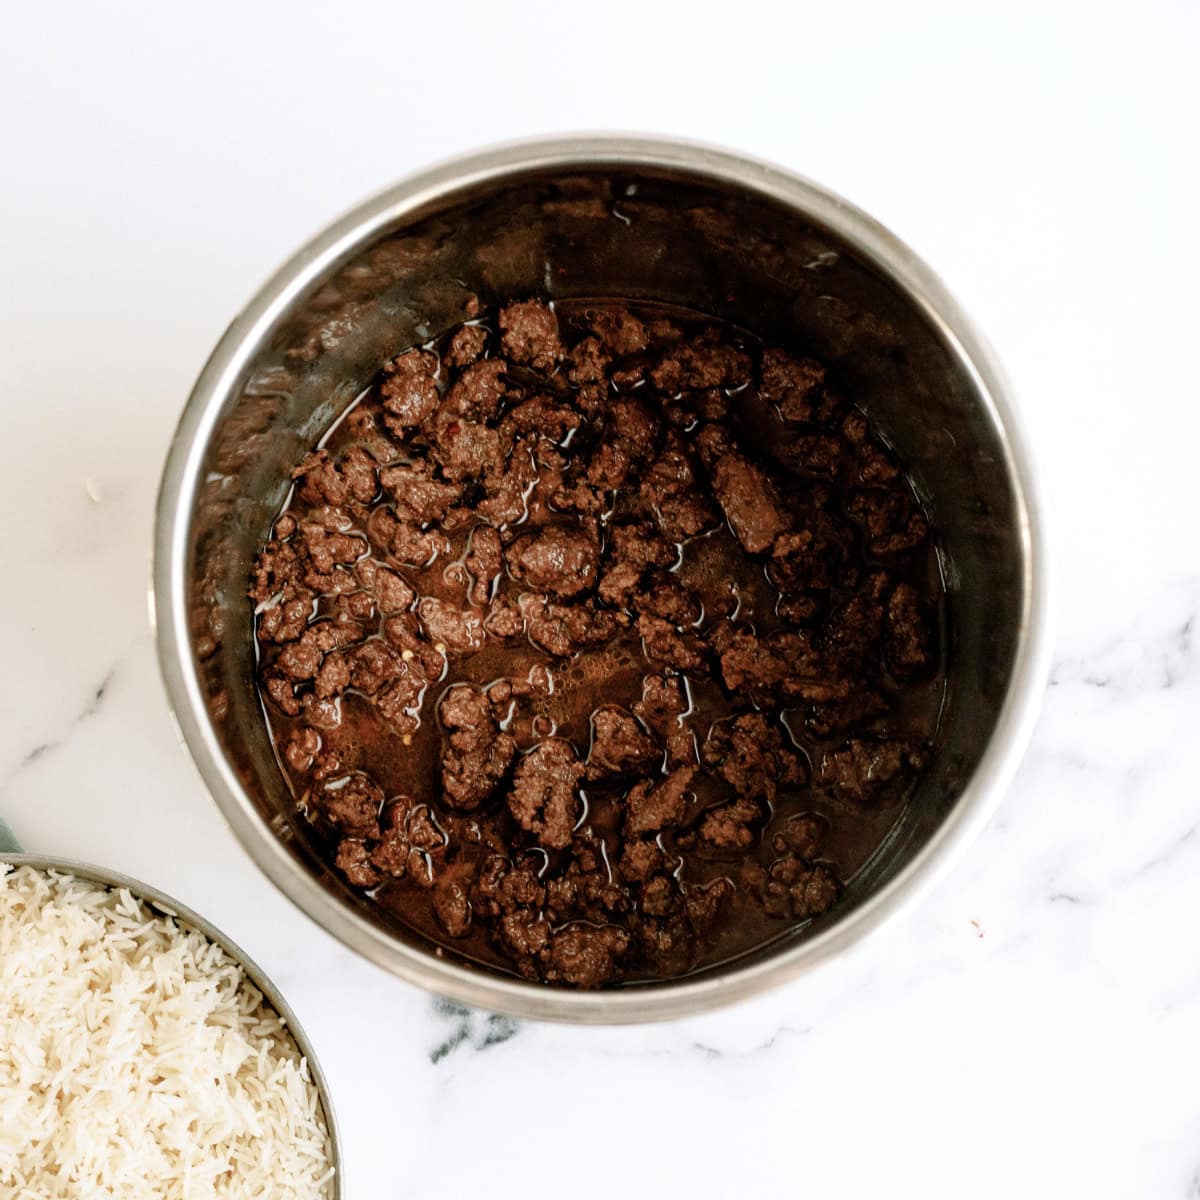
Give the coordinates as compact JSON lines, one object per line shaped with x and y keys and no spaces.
{"x":137,"y":1060}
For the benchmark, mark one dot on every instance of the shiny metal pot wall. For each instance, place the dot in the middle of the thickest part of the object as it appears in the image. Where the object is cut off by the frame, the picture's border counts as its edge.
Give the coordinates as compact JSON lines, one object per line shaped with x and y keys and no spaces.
{"x":589,"y":217}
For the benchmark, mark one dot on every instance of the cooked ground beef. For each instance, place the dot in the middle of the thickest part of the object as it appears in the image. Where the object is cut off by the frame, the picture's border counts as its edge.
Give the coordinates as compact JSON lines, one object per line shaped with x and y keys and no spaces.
{"x":600,"y":643}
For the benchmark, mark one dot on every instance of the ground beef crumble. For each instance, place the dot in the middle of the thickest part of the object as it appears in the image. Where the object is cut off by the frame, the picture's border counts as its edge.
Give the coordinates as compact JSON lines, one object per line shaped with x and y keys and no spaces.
{"x":600,"y":642}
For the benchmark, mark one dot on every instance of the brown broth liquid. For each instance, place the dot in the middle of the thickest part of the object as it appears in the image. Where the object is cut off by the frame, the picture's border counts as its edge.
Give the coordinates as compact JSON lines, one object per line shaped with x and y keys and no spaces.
{"x":713,"y":566}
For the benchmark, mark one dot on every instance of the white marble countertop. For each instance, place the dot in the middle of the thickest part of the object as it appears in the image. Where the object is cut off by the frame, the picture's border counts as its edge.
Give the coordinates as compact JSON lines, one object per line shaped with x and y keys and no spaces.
{"x":1032,"y":1028}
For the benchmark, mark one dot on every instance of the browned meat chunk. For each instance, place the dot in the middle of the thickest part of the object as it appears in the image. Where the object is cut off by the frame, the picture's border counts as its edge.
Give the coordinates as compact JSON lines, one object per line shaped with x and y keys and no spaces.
{"x":641,"y":859}
{"x":810,"y":559}
{"x":783,"y":666}
{"x":302,"y":659}
{"x":851,"y":636}
{"x":589,"y":362}
{"x":506,"y":887}
{"x":585,"y":957}
{"x":631,"y":430}
{"x":702,"y":365}
{"x":468,"y":344}
{"x":865,"y":771}
{"x":301,"y":749}
{"x":419,"y":496}
{"x":562,"y":629}
{"x":632,"y":550}
{"x":318,"y":480}
{"x":352,"y":612}
{"x":618,"y":584}
{"x":407,"y":835}
{"x":286,"y":618}
{"x":468,"y":450}
{"x":485,"y":560}
{"x":352,"y":804}
{"x":416,"y":547}
{"x":749,"y":501}
{"x":670,"y":488}
{"x":541,"y":417}
{"x":506,"y":493}
{"x":321,"y":713}
{"x":663,"y":644}
{"x":399,"y":700}
{"x":670,"y":601}
{"x":749,"y":753}
{"x":641,"y":546}
{"x":362,"y":475}
{"x":681,"y":749}
{"x":403,"y":632}
{"x":687,"y":516}
{"x":705,"y":901}
{"x":282,"y":694}
{"x":504,"y":619}
{"x":891,"y":523}
{"x":393,"y":592}
{"x":452,"y":906}
{"x":712,"y":442}
{"x":796,"y":888}
{"x":529,"y":335}
{"x":585,"y":890}
{"x":326,"y":551}
{"x":619,"y":744}
{"x":876,"y":465}
{"x":654,"y":807}
{"x":663,"y":702}
{"x":373,"y":664}
{"x":480,"y":390}
{"x":619,"y":330}
{"x":795,"y":386}
{"x":408,"y":390}
{"x":354,"y":861}
{"x":815,"y":454}
{"x":729,"y":827}
{"x":665,"y":935}
{"x":333,"y":677}
{"x":544,"y":797}
{"x":460,"y":630}
{"x":523,"y":935}
{"x":813,"y":891}
{"x":558,"y":559}
{"x":478,"y":756}
{"x":800,"y":834}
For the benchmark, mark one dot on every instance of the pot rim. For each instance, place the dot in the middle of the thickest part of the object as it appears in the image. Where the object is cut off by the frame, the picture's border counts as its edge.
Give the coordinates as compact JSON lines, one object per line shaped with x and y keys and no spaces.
{"x":979,"y":797}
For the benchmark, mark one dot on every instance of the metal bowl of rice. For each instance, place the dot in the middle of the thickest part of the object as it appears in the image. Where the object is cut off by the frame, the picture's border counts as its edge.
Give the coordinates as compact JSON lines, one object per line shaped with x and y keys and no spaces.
{"x":144,"y":1054}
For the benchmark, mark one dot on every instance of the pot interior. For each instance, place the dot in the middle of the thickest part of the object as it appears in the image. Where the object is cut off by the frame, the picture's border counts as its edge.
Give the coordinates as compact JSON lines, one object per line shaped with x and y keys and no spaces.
{"x":638,"y":233}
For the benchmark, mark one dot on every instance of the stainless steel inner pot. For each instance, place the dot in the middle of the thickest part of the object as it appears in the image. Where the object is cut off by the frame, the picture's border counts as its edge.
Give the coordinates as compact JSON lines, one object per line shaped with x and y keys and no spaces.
{"x":590,"y":217}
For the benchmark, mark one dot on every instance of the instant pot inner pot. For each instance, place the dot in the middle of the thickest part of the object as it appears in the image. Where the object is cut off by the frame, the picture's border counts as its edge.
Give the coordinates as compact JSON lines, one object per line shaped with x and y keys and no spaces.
{"x":639,"y":234}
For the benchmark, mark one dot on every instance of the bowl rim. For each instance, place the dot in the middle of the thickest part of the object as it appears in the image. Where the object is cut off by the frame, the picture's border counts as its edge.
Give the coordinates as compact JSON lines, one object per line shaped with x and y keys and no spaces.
{"x":257,"y":976}
{"x":982,"y":792}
